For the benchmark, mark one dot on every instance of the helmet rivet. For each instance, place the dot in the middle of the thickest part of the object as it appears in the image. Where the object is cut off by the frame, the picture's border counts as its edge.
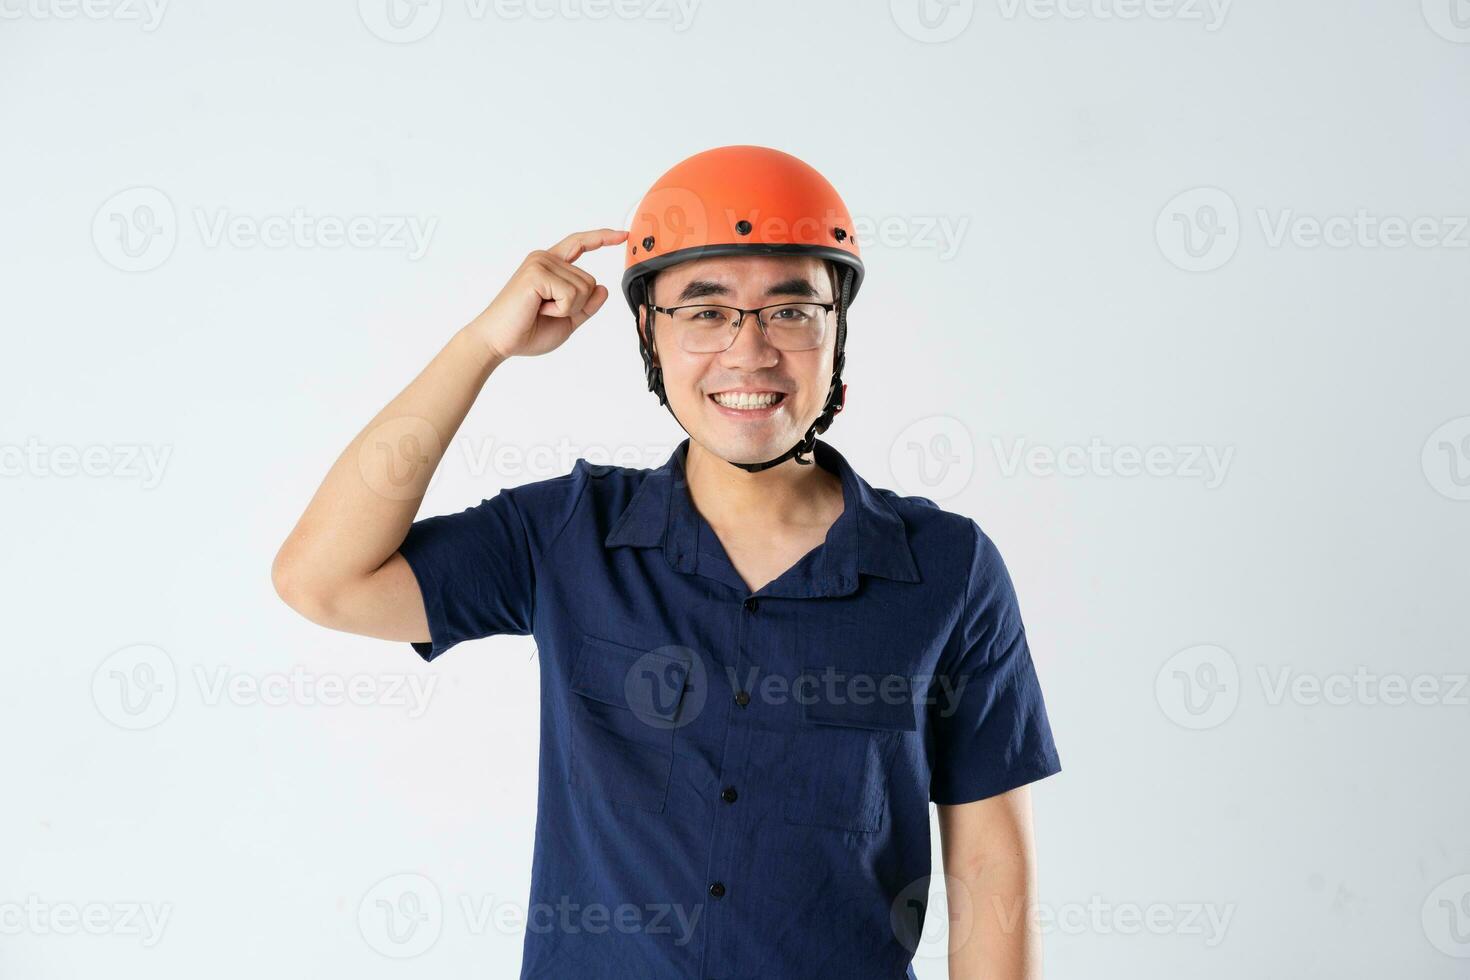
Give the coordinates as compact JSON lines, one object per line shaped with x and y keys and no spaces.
{"x":742,"y":227}
{"x":648,"y":243}
{"x":839,"y":233}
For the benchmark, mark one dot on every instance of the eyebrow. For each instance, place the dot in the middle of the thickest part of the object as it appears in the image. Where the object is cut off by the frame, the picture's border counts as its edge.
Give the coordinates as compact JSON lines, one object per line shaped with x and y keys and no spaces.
{"x":795,"y":286}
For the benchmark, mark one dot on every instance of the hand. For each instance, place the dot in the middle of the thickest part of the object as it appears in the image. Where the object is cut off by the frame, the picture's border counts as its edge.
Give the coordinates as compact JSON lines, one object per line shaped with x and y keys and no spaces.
{"x":546,"y":299}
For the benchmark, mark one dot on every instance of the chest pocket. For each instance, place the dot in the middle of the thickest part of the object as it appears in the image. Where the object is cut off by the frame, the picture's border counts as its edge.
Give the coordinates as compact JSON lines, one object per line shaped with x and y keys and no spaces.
{"x":624,"y":711}
{"x":844,"y":747}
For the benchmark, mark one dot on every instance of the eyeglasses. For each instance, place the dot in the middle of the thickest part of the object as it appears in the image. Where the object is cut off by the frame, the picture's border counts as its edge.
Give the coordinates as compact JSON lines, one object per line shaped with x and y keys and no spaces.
{"x":705,"y":329}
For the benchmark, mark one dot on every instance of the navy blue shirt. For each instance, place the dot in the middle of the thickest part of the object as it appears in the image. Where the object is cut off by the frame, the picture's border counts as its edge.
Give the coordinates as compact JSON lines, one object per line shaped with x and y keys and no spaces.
{"x":736,"y":783}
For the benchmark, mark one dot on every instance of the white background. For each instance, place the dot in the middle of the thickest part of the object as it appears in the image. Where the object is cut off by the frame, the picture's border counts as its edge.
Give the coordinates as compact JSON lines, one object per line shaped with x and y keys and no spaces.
{"x":1129,"y":194}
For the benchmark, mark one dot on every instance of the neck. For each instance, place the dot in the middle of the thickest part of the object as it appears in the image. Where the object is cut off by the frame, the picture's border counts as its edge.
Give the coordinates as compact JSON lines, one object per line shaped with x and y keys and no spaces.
{"x":786,"y":493}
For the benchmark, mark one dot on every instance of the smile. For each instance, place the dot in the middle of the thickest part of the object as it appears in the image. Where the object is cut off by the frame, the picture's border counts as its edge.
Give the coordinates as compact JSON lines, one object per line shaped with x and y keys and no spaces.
{"x":747,"y":401}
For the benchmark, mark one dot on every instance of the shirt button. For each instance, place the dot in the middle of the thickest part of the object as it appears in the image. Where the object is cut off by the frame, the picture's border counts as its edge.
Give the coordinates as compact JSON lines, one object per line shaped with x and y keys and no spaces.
{"x":742,"y":698}
{"x":729,"y":795}
{"x":750,"y":603}
{"x":717,"y":890}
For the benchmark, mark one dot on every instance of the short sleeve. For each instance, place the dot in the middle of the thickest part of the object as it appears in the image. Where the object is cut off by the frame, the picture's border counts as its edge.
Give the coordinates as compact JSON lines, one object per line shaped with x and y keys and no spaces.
{"x":476,"y":569}
{"x":988,"y":718}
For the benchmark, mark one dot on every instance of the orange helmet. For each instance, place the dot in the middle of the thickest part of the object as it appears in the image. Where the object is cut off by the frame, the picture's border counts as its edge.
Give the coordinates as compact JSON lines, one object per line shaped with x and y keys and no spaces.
{"x":743,"y":200}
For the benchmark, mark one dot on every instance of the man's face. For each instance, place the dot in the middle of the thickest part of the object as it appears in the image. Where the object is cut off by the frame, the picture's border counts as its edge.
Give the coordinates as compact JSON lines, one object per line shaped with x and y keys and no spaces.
{"x":752,"y":402}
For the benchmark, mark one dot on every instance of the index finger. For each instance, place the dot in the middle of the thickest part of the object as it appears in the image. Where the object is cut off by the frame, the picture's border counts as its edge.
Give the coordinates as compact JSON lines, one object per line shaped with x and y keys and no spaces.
{"x":576,"y":244}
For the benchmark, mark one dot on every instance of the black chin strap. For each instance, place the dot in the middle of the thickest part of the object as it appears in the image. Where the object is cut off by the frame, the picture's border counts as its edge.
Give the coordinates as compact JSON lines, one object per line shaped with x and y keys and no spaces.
{"x":836,"y":391}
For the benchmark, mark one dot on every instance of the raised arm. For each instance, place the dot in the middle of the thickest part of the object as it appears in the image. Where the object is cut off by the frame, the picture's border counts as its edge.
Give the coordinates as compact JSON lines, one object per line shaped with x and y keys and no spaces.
{"x":340,"y":566}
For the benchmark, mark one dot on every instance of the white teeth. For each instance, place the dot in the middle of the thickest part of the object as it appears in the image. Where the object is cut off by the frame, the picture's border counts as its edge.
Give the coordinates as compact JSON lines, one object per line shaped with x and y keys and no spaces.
{"x":744,"y":399}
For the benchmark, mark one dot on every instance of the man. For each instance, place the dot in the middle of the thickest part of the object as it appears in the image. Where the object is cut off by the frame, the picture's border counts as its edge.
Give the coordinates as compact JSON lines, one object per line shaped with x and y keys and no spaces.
{"x":756,"y":669}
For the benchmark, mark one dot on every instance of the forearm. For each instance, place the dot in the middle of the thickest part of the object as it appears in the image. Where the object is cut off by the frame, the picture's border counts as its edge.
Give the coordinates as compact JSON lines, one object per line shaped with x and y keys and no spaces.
{"x":990,"y":884}
{"x":363,"y":509}
{"x":993,"y":933}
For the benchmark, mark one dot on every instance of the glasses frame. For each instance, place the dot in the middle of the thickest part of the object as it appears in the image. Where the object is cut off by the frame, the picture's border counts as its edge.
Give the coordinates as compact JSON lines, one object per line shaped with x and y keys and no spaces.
{"x":735,"y":333}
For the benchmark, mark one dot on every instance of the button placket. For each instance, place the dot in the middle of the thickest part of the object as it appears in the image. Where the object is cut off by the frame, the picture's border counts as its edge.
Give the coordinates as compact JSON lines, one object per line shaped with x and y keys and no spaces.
{"x":727,"y":816}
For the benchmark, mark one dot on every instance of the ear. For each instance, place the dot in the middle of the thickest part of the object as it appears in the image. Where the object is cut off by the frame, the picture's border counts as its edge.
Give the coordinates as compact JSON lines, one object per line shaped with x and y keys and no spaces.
{"x":642,"y":323}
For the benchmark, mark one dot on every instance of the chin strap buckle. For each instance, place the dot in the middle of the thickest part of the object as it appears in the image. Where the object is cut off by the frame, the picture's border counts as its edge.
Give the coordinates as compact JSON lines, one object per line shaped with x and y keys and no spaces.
{"x":841,"y":400}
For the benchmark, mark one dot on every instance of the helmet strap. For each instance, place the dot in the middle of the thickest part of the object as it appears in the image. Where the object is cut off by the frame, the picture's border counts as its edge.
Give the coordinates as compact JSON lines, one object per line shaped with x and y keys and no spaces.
{"x":836,"y":390}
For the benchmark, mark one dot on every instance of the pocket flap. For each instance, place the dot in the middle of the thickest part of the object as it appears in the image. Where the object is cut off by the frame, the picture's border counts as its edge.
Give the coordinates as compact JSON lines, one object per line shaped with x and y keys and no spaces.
{"x":854,"y":699}
{"x":643,"y":681}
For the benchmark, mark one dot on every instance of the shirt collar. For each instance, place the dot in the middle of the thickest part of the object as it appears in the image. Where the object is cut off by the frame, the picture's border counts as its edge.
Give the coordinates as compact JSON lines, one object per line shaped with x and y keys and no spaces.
{"x":869,"y":537}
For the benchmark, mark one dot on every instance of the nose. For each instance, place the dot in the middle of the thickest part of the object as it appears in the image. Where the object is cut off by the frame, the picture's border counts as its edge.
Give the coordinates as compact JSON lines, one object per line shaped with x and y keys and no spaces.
{"x":750,"y":350}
